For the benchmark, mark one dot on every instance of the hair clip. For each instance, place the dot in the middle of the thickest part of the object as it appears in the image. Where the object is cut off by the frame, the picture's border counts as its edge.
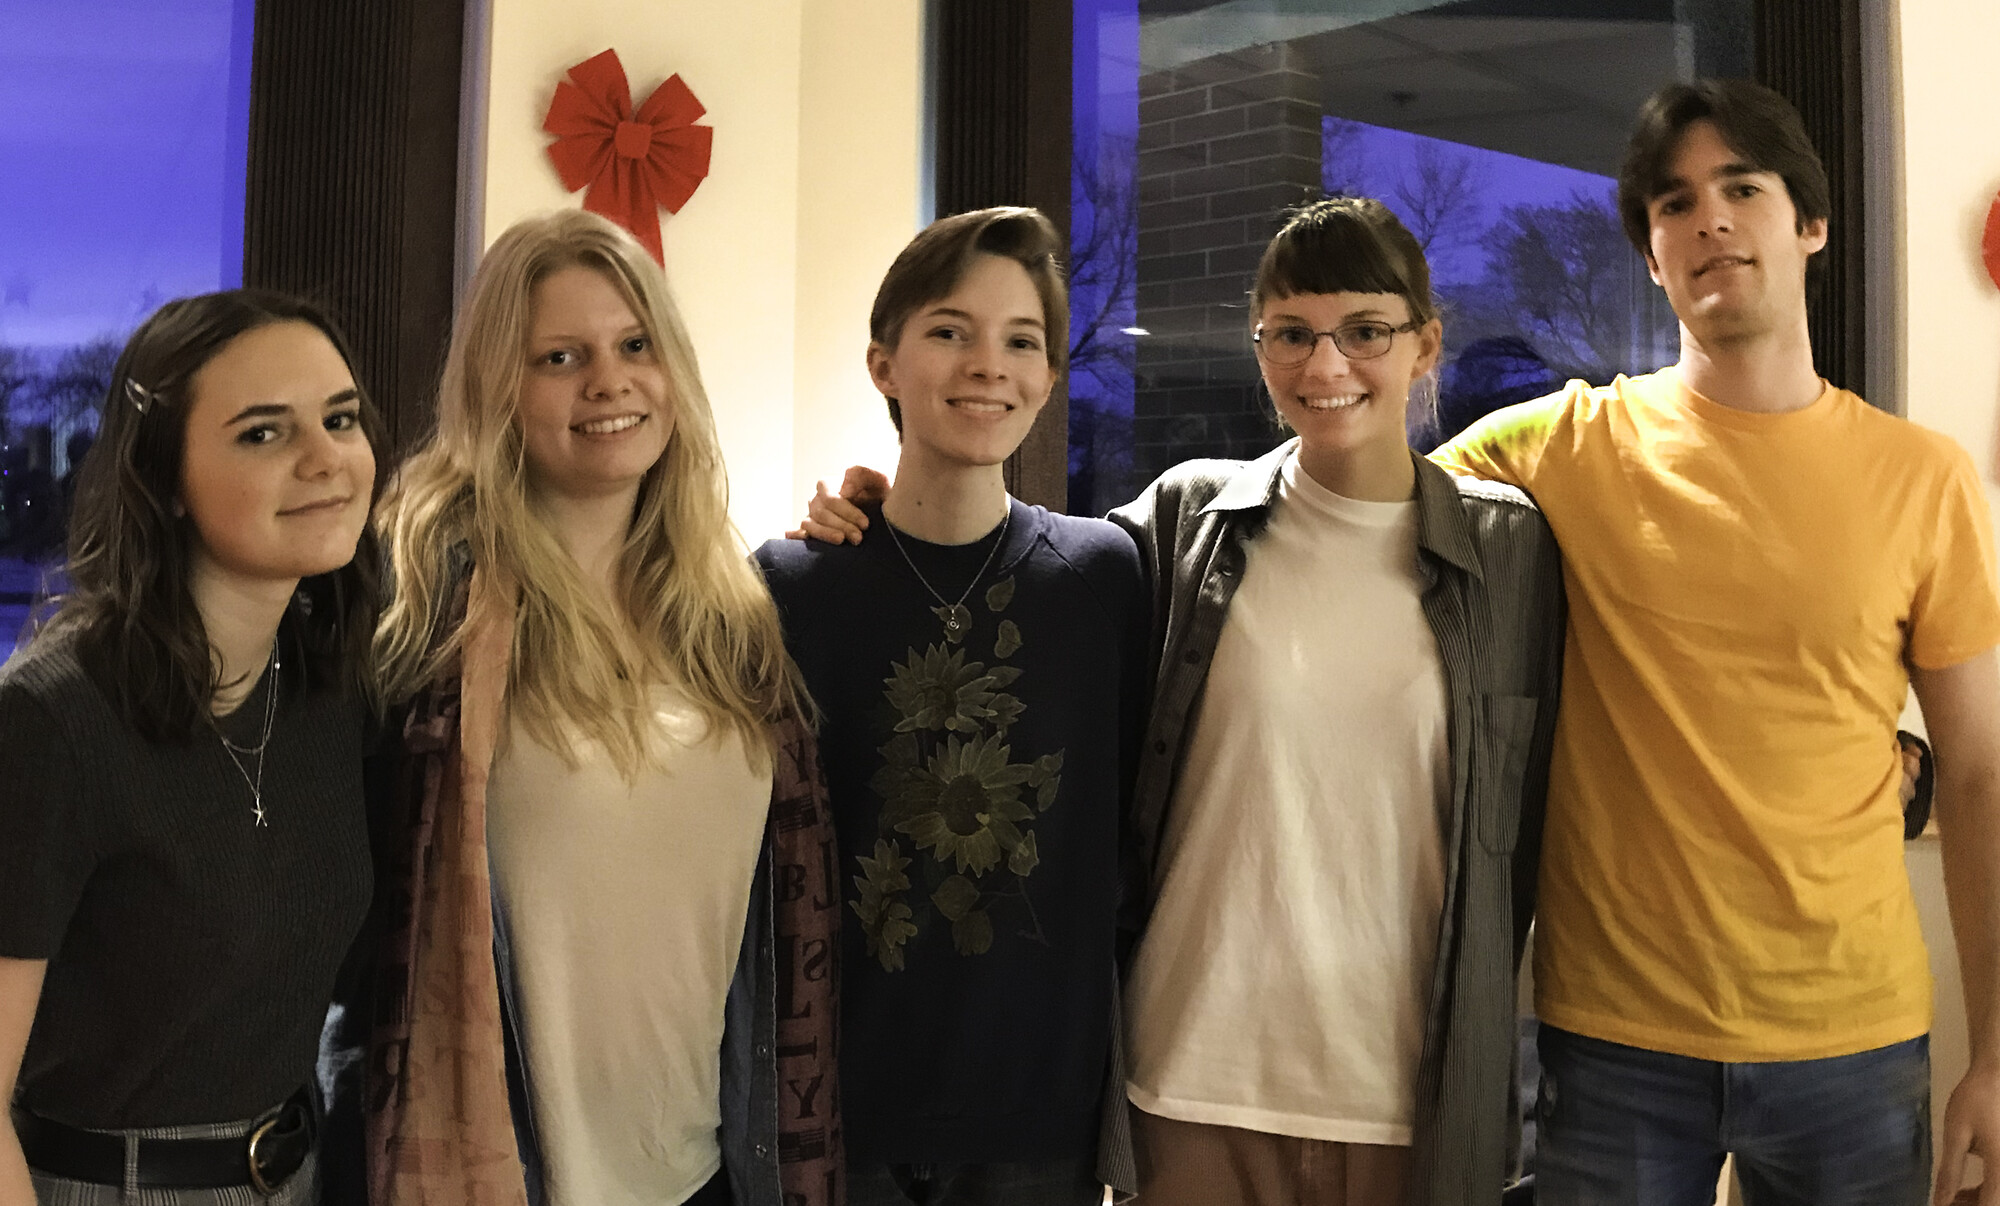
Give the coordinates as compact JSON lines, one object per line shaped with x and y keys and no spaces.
{"x":138,"y":395}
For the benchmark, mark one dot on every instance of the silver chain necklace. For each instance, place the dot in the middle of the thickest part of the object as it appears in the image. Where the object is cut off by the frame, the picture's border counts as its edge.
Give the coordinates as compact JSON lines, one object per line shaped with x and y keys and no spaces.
{"x":957,"y":617}
{"x":256,"y":783}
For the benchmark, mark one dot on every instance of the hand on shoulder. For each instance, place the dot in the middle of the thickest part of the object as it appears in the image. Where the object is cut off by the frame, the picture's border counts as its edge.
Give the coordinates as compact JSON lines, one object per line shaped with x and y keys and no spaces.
{"x":838,"y":519}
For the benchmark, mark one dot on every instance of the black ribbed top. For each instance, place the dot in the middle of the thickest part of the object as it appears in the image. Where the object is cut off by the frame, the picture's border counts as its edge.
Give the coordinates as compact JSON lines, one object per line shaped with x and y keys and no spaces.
{"x":191,"y":953}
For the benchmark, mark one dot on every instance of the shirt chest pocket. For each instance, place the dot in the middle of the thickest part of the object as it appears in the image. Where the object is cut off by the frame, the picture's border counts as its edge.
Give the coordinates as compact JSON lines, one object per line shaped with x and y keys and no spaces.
{"x":1506,"y":730}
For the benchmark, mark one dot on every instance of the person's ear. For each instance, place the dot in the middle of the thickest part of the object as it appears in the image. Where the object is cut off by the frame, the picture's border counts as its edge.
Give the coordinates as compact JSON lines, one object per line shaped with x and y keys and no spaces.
{"x":1813,"y":234}
{"x":1430,"y":343}
{"x":882,"y":370}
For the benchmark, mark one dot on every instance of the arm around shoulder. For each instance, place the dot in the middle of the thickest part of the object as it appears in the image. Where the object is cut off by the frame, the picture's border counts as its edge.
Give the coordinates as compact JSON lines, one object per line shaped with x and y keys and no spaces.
{"x":1506,"y":445}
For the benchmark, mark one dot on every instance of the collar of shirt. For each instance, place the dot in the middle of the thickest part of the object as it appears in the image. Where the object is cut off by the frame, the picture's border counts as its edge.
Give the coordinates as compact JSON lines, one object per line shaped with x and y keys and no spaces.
{"x":1443,"y":530}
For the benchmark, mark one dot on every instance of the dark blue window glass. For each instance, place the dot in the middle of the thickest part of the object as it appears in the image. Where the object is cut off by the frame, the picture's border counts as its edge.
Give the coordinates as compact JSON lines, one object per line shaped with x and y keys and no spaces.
{"x":123,"y":132}
{"x":1492,"y":127}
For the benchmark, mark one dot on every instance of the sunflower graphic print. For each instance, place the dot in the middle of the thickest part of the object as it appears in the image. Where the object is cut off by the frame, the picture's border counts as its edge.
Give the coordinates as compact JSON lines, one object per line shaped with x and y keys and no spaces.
{"x":977,"y":787}
{"x":956,"y":843}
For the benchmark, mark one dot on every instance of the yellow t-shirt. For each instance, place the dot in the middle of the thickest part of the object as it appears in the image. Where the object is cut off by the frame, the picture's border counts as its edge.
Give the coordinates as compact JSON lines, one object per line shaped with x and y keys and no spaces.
{"x":1722,"y":871}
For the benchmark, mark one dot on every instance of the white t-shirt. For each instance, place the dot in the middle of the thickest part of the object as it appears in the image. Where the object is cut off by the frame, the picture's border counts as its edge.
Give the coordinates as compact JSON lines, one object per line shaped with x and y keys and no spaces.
{"x":624,"y":905}
{"x":1283,"y":979}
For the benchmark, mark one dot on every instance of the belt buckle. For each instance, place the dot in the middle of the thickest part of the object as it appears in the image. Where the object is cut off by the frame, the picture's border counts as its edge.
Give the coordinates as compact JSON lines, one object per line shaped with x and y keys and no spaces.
{"x":257,"y":1180}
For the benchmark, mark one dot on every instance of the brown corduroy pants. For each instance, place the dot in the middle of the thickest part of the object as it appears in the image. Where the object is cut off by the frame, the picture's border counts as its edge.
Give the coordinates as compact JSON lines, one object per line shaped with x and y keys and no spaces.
{"x":1195,"y":1164}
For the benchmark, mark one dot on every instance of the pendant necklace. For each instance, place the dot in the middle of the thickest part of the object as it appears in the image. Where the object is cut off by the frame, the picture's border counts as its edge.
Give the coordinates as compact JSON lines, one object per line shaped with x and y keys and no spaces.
{"x":957,"y":617}
{"x":237,"y":753}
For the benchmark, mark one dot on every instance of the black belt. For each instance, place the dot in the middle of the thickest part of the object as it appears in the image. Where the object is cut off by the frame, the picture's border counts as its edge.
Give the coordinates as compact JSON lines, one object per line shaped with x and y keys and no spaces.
{"x":264,"y":1158}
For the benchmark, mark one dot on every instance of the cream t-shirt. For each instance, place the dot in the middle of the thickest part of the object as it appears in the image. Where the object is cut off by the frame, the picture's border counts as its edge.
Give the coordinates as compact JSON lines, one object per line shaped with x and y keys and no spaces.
{"x":624,"y":905}
{"x":1282,"y":980}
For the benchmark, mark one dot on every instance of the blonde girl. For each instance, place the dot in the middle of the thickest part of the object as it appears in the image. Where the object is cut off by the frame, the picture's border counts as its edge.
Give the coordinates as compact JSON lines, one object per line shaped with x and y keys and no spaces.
{"x":619,"y":937}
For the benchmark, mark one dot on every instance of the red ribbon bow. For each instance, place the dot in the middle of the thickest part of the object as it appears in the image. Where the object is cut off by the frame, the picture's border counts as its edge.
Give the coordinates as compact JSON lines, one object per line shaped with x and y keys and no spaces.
{"x":1991,"y":246}
{"x":633,"y":163}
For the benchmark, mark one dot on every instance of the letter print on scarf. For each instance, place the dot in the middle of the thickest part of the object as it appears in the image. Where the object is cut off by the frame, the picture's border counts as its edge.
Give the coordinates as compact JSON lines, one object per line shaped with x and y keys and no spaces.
{"x":956,"y":841}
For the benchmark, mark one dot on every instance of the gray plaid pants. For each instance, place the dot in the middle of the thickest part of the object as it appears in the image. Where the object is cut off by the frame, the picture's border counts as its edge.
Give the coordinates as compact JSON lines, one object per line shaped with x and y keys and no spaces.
{"x":301,"y":1190}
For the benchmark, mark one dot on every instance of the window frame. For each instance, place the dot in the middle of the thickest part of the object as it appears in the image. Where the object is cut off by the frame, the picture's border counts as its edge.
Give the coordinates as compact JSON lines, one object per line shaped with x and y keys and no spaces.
{"x":1001,"y":90}
{"x":352,"y":183}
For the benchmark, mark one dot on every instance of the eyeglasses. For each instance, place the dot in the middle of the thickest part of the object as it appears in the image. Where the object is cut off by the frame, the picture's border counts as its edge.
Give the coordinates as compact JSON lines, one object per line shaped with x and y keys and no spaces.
{"x":1292,"y":344}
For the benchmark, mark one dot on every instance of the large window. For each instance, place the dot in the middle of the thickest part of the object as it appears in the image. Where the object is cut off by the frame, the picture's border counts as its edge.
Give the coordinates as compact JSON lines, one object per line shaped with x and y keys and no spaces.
{"x":123,"y":126}
{"x":1492,"y":127}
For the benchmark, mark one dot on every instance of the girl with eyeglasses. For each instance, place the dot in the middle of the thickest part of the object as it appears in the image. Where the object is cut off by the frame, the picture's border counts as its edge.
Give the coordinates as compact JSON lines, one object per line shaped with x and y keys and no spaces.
{"x":1338,"y":804}
{"x":184,"y":856}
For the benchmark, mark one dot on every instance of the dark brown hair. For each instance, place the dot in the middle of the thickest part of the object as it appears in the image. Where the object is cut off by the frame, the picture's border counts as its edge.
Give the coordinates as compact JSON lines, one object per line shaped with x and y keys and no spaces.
{"x":1754,"y":122}
{"x":935,"y":261}
{"x":1344,"y":245}
{"x":129,"y":605}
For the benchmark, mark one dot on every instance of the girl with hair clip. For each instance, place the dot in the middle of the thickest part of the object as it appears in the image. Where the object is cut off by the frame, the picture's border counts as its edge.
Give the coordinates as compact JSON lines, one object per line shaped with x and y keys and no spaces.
{"x":184,"y":854}
{"x":614,"y":981}
{"x":1338,"y":805}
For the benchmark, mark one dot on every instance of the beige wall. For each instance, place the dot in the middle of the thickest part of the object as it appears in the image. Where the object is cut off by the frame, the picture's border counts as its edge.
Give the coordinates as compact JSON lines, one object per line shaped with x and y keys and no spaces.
{"x":1949,"y":337}
{"x":1950,"y":173}
{"x":858,"y":205}
{"x":816,"y":106}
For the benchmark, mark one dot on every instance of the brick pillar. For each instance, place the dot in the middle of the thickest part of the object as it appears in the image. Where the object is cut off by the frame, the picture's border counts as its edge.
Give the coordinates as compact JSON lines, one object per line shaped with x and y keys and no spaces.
{"x":1224,"y":144}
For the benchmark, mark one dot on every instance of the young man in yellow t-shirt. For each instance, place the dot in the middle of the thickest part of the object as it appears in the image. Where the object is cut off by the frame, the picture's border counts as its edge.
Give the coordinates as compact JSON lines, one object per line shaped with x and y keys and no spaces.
{"x":1758,"y":565}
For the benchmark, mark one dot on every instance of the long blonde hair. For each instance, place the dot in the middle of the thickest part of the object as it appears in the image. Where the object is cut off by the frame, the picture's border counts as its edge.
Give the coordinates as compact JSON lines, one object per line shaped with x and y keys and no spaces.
{"x":696,"y":613}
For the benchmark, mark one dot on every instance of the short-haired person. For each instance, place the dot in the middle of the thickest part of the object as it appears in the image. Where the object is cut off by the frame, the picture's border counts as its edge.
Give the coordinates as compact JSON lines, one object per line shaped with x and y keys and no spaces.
{"x":1759,"y":565}
{"x":184,"y":853}
{"x":980,"y":666}
{"x":606,"y":778}
{"x":1339,"y":796}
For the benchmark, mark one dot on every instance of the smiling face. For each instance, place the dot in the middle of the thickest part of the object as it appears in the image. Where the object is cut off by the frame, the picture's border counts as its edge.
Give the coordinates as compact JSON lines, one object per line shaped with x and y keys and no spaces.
{"x":970,"y":370}
{"x":275,"y":471}
{"x":595,"y":411}
{"x":1340,"y":406}
{"x":1725,"y":242}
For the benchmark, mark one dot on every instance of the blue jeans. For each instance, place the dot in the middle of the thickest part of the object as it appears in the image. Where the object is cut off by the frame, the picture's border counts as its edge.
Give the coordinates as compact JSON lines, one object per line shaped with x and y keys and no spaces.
{"x":1051,"y":1183}
{"x":1623,"y":1126}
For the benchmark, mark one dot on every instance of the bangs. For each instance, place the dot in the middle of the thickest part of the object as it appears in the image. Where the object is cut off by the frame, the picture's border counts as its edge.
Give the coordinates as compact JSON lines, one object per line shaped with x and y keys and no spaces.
{"x":1330,"y":252}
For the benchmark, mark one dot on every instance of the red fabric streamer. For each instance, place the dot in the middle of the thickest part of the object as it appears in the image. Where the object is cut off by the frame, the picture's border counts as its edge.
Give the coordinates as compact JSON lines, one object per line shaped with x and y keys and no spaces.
{"x":632,"y":163}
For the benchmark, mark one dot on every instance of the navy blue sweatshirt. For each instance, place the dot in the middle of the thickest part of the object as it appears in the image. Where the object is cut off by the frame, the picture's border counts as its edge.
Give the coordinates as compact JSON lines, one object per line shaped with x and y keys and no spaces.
{"x":979,"y":781}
